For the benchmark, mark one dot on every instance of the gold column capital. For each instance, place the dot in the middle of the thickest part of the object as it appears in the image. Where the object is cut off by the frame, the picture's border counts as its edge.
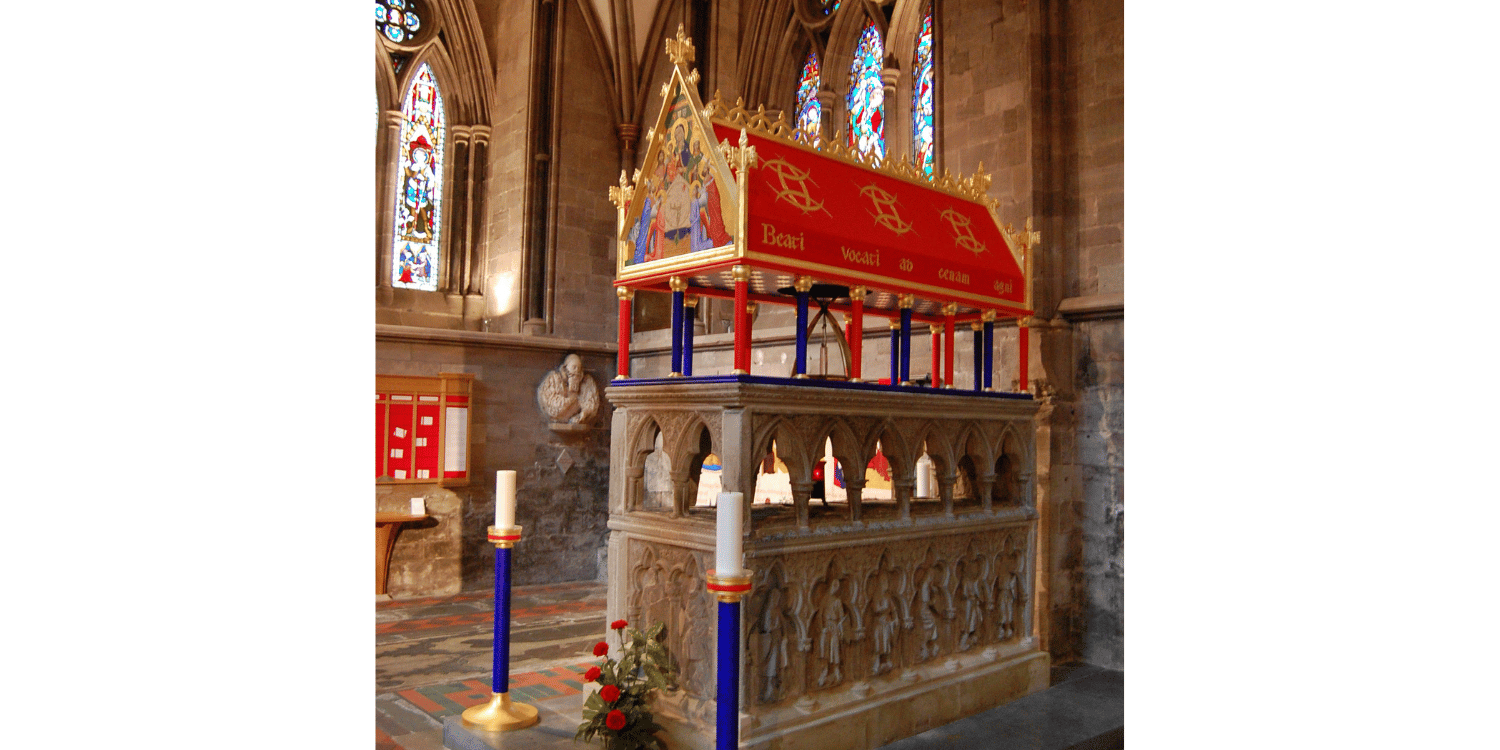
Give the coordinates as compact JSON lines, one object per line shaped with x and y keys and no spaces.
{"x":987,"y":316}
{"x":906,"y":301}
{"x":976,"y":326}
{"x":857,"y":293}
{"x":803,"y":284}
{"x":895,"y":325}
{"x":1026,"y":322}
{"x":751,"y":307}
{"x":690,"y":300}
{"x":678,"y":284}
{"x":950,"y":309}
{"x":740,"y":273}
{"x":624,"y":292}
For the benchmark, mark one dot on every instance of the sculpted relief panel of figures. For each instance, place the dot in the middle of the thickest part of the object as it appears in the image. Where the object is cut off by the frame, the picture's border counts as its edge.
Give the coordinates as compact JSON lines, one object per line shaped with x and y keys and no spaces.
{"x":567,"y":395}
{"x":819,"y":620}
{"x":667,"y":586}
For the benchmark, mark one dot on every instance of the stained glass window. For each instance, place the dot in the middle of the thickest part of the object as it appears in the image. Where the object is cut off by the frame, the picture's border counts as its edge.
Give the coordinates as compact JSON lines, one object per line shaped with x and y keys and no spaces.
{"x":921,"y":107}
{"x":829,"y":6}
{"x":809,"y":109}
{"x":415,"y":256}
{"x":866,"y":132}
{"x":397,"y":19}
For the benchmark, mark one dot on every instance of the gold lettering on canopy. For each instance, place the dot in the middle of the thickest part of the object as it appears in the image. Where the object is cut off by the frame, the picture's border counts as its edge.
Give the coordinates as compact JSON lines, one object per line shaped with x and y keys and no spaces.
{"x":963,"y":234}
{"x":885,"y":209}
{"x":789,"y":175}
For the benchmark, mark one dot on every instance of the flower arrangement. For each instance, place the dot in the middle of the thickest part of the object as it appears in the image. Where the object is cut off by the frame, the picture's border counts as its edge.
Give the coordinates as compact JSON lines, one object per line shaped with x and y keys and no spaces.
{"x":618,"y":711}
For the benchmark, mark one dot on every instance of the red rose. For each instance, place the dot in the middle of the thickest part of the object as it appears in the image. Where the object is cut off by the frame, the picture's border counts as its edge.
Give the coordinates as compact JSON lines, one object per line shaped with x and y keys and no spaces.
{"x":610,"y":693}
{"x":591,"y":675}
{"x":618,"y":624}
{"x":615,"y":720}
{"x":601,"y":648}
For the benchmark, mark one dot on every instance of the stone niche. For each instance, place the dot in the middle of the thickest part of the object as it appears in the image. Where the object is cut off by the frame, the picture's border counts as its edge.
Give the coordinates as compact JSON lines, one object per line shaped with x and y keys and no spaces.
{"x":870,"y":620}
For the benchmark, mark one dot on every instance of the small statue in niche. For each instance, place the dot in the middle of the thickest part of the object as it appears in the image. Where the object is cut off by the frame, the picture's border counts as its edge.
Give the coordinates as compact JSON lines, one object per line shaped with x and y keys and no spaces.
{"x":885,"y":624}
{"x":1012,"y":596}
{"x":928,"y":592}
{"x":772,"y":625}
{"x":567,"y":395}
{"x":974,"y":604}
{"x":832,"y":635}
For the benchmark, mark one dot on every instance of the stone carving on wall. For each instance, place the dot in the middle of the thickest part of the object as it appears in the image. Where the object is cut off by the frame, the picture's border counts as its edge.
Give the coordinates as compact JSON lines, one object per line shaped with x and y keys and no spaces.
{"x":568,"y":396}
{"x":667,"y":586}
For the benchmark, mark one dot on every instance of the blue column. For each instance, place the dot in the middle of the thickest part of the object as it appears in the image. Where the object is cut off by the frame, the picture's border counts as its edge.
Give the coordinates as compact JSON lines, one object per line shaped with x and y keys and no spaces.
{"x":687,"y":342}
{"x":895,"y":355}
{"x":989,"y":352}
{"x":978,"y":360}
{"x":500,"y":677}
{"x":677,"y":332}
{"x":905,"y":344}
{"x":728,"y":724}
{"x":801,"y":366}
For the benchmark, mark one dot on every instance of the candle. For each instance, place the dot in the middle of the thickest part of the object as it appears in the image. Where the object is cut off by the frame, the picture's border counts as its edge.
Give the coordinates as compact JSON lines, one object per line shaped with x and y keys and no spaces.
{"x":505,"y":499}
{"x":730,"y":547}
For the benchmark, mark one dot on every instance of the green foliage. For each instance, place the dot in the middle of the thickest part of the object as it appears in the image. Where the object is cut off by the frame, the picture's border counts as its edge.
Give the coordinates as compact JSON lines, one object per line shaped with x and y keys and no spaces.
{"x":644,"y":665}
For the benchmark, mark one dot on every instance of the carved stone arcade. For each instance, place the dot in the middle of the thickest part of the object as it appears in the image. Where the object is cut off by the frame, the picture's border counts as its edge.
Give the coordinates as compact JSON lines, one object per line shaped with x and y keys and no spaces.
{"x":869,"y":620}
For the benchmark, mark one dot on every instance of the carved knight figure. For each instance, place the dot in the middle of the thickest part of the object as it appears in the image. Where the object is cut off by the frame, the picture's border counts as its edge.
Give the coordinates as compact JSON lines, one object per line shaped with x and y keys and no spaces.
{"x":1012,"y":594}
{"x":567,"y":394}
{"x":974,"y":597}
{"x":773,"y":640}
{"x":832,"y":635}
{"x":927,"y":612}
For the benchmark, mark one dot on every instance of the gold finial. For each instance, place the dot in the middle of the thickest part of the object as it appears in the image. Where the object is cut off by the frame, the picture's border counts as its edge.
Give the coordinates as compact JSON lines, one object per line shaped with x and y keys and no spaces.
{"x":624,"y":292}
{"x":620,"y":196}
{"x":803,"y":284}
{"x":665,"y":87}
{"x":906,"y":301}
{"x":680,"y":50}
{"x":677,"y":283}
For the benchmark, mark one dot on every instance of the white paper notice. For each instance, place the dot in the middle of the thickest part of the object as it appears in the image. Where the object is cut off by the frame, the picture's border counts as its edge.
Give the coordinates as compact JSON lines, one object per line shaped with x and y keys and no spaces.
{"x":426,"y":421}
{"x":397,"y":453}
{"x":417,"y":507}
{"x":427,"y":398}
{"x":422,"y":474}
{"x":400,"y":433}
{"x":456,"y":439}
{"x":399,"y":473}
{"x":421,"y":442}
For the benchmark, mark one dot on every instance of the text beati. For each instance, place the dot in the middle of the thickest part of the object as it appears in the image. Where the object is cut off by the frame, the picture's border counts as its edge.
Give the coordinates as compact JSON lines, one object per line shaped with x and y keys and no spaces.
{"x":770,"y":236}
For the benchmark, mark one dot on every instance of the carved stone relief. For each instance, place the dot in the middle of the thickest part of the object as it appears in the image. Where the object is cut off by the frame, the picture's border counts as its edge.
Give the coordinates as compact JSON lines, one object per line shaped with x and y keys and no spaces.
{"x":667,"y":586}
{"x":568,"y":396}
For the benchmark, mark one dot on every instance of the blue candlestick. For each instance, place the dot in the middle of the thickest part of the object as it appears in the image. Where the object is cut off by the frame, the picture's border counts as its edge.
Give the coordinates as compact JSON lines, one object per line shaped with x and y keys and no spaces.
{"x":978,"y":360}
{"x":500,"y":714}
{"x":801,"y":366}
{"x":500,"y":675}
{"x":989,"y":353}
{"x":677,"y":333}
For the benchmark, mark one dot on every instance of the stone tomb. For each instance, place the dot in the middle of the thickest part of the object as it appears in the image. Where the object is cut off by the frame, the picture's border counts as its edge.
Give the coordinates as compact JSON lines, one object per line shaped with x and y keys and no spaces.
{"x":869,"y":621}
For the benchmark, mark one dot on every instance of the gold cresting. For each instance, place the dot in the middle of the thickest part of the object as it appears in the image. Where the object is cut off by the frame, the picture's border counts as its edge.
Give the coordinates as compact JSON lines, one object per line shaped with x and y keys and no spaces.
{"x":885,"y":209}
{"x":621,"y":195}
{"x":975,"y":188}
{"x":963,"y":233}
{"x":680,"y":50}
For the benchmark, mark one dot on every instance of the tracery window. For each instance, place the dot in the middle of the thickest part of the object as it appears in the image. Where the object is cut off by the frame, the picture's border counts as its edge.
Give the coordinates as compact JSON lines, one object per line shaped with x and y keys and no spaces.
{"x":415,"y":256}
{"x":809,"y":109}
{"x":866,"y":100}
{"x":397,"y":19}
{"x":921,"y":114}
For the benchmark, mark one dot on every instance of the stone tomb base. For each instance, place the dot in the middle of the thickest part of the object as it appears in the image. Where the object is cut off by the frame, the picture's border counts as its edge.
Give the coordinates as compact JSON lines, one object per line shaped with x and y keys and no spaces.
{"x":871,"y":714}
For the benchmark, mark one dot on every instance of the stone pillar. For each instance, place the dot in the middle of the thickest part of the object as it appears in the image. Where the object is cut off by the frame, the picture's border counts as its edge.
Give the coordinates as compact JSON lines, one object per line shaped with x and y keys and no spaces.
{"x":390,"y":167}
{"x":895,"y":118}
{"x":827,"y":113}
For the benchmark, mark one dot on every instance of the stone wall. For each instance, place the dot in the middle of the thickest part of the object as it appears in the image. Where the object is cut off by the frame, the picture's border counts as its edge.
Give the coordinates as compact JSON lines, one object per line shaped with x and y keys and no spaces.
{"x":564,"y":477}
{"x":1101,"y":458}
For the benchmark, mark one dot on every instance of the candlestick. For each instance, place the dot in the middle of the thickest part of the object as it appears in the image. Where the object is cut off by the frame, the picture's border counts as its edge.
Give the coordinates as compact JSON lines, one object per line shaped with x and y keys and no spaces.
{"x":505,"y":499}
{"x":730,"y":548}
{"x":501,"y":714}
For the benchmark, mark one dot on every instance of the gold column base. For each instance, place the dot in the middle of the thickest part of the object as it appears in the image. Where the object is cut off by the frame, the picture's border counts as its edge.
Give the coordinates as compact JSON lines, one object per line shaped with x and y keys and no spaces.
{"x":740,"y":372}
{"x":500,"y":715}
{"x":674,"y":375}
{"x":800,"y":376}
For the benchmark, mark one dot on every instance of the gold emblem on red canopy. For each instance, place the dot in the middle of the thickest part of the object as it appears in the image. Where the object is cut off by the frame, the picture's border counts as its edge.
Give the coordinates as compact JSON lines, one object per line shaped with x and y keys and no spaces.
{"x":789,"y":175}
{"x":885,"y":209}
{"x":963,"y":234}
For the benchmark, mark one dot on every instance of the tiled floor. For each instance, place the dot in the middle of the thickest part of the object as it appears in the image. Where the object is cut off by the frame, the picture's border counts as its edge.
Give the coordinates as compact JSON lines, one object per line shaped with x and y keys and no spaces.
{"x":433,"y":655}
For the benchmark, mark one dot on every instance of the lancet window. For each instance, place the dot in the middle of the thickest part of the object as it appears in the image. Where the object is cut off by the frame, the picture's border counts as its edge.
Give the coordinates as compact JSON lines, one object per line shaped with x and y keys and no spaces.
{"x":809,"y":109}
{"x":922,"y":81}
{"x":416,"y":253}
{"x":865,"y":128}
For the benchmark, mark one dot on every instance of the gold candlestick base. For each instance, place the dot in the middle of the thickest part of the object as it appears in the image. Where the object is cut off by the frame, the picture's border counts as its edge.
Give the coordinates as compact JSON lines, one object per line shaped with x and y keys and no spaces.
{"x":500,"y":715}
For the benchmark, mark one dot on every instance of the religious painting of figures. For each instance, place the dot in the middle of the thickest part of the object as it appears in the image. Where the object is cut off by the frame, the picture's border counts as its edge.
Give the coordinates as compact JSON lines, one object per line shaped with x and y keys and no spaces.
{"x":414,"y":256}
{"x":684,"y":199}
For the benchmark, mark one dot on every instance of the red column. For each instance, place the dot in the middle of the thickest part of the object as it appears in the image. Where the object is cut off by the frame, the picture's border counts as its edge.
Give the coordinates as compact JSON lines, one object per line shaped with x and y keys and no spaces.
{"x":937,"y":356}
{"x":855,"y":331}
{"x":741,"y":320}
{"x":623,"y":367}
{"x":948,"y":312}
{"x":1025,"y":340}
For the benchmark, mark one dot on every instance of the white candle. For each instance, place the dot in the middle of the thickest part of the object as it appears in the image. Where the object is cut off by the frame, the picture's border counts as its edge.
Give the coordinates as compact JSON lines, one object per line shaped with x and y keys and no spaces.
{"x":730,"y":547}
{"x":505,"y":499}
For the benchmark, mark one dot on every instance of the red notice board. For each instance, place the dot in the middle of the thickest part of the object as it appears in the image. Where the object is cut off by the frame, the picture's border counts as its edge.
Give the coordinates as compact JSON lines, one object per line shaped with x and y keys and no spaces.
{"x":422,"y":429}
